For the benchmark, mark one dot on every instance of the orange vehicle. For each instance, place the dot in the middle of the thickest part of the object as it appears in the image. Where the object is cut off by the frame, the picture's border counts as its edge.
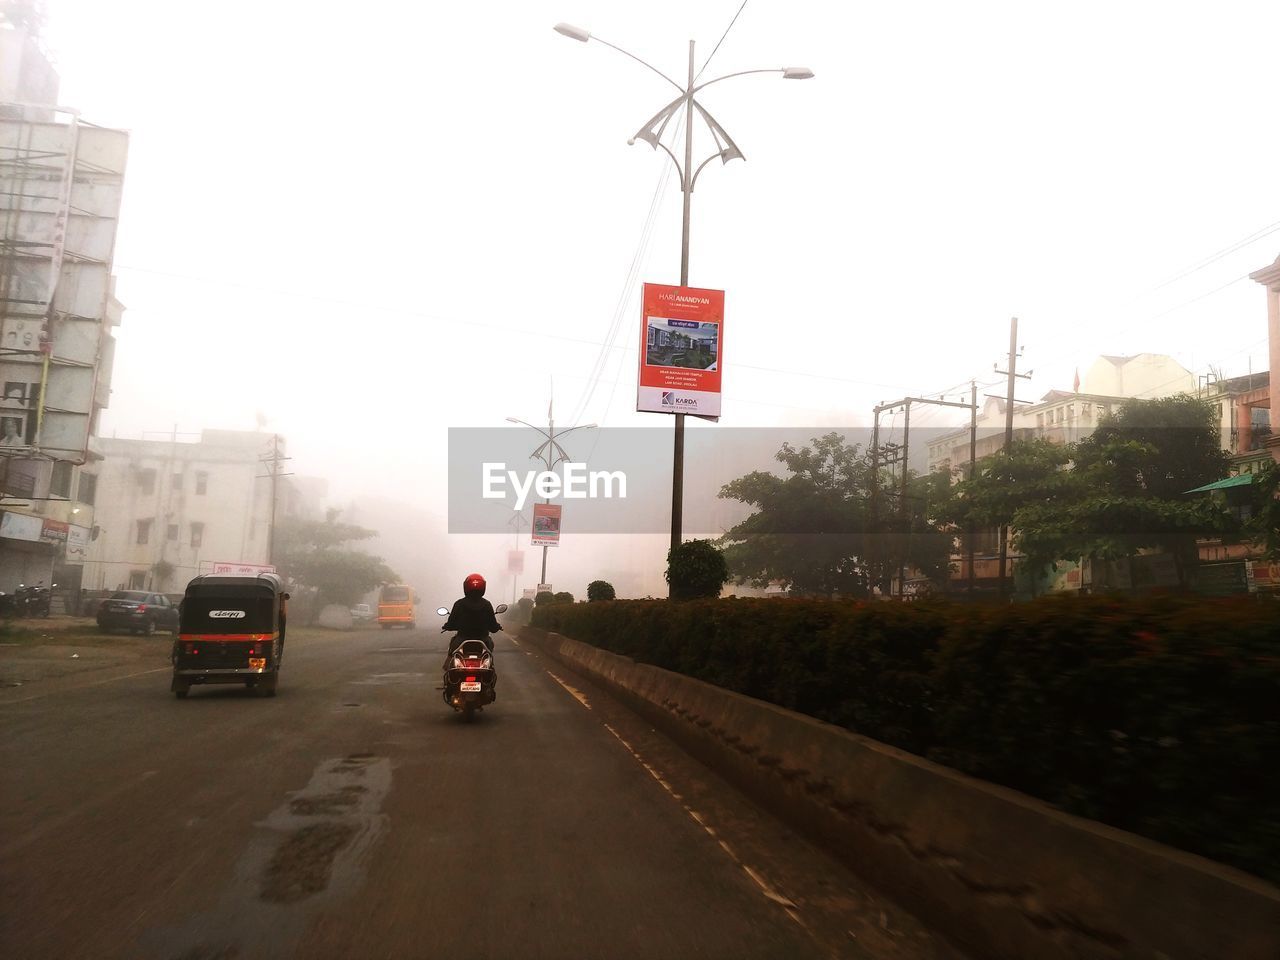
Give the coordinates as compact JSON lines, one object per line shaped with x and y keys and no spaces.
{"x":395,"y":606}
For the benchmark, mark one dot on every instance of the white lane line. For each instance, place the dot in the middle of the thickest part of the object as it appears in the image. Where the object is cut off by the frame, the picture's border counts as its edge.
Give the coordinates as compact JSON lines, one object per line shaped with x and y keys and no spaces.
{"x":515,"y":641}
{"x":576,"y":694}
{"x":765,"y":887}
{"x":82,"y":686}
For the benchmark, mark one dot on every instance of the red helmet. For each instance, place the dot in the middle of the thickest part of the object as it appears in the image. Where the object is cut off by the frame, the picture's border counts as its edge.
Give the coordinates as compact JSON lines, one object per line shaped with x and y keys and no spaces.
{"x":473,"y":586}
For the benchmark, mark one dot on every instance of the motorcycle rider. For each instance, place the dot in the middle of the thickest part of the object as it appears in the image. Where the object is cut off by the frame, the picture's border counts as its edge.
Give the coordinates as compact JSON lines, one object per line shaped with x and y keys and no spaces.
{"x":472,"y":617}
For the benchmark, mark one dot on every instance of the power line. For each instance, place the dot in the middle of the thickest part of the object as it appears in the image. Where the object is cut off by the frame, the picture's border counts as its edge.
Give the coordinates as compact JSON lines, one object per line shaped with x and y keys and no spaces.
{"x":1215,"y":257}
{"x":721,"y":40}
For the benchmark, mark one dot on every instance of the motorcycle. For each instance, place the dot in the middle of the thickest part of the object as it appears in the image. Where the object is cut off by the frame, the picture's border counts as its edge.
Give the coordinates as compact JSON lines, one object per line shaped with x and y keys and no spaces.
{"x":25,"y":601}
{"x":33,"y":601}
{"x":470,"y":680}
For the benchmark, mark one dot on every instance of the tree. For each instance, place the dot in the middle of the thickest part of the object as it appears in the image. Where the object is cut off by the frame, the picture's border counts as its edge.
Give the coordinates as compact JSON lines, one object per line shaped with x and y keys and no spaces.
{"x":1119,"y":491}
{"x":813,"y":530}
{"x":809,"y":528}
{"x":315,"y":554}
{"x":564,"y":596}
{"x":600,"y":590}
{"x":1264,"y":525}
{"x":1174,"y":445}
{"x":696,"y":569}
{"x":544,"y":598}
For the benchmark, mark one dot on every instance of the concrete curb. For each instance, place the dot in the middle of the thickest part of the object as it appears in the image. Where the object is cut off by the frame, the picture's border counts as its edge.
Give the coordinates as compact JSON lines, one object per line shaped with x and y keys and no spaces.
{"x":1004,"y":874}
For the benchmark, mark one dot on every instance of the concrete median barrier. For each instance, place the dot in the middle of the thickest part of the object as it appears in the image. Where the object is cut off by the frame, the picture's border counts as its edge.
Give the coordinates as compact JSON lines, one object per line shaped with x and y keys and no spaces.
{"x":1003,"y":874}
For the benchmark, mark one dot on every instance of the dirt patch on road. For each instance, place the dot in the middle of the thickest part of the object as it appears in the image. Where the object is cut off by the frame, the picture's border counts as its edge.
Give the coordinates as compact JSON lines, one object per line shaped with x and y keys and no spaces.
{"x":301,"y":865}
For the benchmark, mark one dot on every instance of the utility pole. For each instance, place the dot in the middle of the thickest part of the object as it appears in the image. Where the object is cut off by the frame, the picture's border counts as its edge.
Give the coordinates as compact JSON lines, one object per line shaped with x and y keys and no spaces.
{"x":272,"y":461}
{"x":902,"y":504}
{"x":973,"y":466}
{"x":901,"y":454}
{"x":1010,"y":400}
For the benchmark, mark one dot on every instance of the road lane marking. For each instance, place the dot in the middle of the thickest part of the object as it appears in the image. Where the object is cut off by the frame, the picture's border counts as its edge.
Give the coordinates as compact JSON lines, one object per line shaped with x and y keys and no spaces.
{"x":83,"y":686}
{"x":576,"y":694}
{"x":765,"y":887}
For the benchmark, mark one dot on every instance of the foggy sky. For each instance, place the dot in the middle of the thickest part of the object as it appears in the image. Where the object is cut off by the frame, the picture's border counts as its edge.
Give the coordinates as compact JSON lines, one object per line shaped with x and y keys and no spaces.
{"x":375,"y":222}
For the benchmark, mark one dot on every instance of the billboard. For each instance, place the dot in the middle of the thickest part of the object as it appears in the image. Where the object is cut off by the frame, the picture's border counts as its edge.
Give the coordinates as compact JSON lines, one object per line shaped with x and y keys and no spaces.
{"x":242,"y":569}
{"x":60,"y":190}
{"x":546,"y":525}
{"x":681,"y":350}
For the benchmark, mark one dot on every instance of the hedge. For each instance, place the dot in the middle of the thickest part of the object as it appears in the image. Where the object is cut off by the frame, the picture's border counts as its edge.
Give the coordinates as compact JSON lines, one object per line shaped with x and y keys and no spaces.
{"x":1160,"y":715}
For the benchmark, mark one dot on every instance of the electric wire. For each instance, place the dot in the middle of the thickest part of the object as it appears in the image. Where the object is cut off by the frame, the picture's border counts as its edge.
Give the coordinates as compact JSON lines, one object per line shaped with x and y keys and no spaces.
{"x":721,"y":40}
{"x":1215,"y":257}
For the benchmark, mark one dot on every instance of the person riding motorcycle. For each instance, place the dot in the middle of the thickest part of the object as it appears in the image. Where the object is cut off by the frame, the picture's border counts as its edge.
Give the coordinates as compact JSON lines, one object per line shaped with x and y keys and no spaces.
{"x":472,"y":617}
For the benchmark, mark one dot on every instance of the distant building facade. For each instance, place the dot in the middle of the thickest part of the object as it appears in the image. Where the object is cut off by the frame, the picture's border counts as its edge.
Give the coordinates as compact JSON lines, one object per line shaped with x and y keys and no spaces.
{"x":169,"y":510}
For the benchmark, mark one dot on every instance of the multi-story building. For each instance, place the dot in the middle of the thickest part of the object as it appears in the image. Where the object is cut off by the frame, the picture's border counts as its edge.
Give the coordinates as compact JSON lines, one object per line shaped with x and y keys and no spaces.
{"x":61,"y":181}
{"x":1063,"y":416}
{"x":171,"y":509}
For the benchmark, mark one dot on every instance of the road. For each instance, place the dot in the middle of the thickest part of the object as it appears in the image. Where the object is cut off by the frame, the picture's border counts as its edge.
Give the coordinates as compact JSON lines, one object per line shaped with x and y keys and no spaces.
{"x":354,"y":815}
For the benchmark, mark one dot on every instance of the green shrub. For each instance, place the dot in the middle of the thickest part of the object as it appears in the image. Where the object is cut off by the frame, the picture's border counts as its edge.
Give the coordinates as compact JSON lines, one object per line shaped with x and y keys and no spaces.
{"x":564,"y":596}
{"x":544,"y":598}
{"x":696,"y":569}
{"x":600,"y":590}
{"x":1160,"y":715}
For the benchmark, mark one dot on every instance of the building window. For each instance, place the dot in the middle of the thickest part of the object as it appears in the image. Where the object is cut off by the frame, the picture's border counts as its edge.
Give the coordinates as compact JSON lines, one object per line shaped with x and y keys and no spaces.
{"x":171,"y":532}
{"x":197,"y":534}
{"x":60,"y":481}
{"x":88,"y":488}
{"x":137,"y":579}
{"x":1039,"y":421}
{"x":1071,"y":411}
{"x":202,"y":483}
{"x":177,"y":482}
{"x":144,"y":531}
{"x":147,"y":481}
{"x":1086,"y":410}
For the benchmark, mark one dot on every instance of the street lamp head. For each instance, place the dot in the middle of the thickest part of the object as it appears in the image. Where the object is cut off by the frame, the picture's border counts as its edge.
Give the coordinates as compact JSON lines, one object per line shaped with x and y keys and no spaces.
{"x":791,"y":73}
{"x":572,"y":32}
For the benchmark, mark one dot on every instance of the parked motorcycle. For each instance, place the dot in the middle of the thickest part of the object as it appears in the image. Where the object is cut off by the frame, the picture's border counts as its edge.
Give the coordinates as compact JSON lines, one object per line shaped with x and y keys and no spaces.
{"x":469,"y":679}
{"x":25,"y":601}
{"x":33,"y":601}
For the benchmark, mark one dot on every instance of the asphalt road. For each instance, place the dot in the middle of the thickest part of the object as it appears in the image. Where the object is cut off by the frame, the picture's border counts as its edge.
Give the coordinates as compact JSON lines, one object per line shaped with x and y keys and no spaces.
{"x":355,"y":815}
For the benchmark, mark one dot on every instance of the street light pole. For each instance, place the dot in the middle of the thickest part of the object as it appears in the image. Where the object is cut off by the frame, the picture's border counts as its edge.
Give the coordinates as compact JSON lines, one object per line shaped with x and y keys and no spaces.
{"x":726,"y":150}
{"x":551,"y":454}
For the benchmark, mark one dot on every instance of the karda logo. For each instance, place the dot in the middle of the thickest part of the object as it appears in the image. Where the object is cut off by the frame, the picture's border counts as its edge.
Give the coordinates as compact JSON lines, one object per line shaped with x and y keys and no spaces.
{"x":669,"y":399}
{"x":227,"y":614}
{"x":576,"y":484}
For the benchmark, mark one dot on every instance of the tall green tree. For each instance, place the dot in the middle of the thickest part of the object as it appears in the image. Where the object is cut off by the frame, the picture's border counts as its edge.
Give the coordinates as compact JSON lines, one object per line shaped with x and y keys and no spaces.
{"x":318,"y":555}
{"x":813,"y":528}
{"x":1157,"y":448}
{"x":1119,"y":491}
{"x":809,"y":527}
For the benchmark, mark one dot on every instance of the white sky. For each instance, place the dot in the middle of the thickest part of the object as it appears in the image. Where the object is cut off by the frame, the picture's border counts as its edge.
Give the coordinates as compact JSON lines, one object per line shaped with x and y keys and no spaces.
{"x":372,"y":221}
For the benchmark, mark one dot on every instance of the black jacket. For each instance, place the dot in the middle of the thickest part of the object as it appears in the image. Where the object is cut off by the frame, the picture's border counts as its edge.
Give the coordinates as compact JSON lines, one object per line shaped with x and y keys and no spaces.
{"x":472,"y":618}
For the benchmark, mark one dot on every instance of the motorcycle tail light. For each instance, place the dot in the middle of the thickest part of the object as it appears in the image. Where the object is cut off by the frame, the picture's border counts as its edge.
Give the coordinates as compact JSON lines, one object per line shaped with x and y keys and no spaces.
{"x":471,"y":679}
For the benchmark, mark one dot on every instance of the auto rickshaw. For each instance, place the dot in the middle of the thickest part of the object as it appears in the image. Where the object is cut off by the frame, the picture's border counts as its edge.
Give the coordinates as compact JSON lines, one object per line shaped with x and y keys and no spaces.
{"x":231,"y":631}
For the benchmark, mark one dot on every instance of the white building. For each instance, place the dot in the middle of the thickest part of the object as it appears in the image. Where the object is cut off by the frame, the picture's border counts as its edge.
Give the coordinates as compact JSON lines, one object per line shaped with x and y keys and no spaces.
{"x":61,"y":180}
{"x":167,"y":510}
{"x":1066,"y":416}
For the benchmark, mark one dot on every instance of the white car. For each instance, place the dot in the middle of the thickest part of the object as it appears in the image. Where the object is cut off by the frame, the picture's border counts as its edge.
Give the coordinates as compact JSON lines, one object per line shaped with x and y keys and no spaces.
{"x":361,"y":611}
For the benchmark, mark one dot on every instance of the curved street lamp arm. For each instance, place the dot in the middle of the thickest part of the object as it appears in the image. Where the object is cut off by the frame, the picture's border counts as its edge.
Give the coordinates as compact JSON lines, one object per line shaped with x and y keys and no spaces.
{"x":740,"y":73}
{"x":641,"y":62}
